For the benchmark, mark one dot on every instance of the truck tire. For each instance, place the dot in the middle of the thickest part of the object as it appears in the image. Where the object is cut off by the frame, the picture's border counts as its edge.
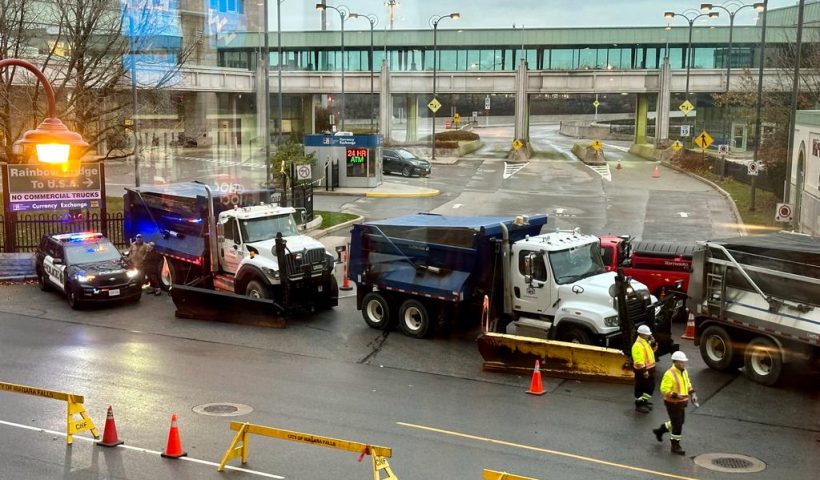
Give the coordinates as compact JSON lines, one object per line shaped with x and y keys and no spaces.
{"x":575,"y":334}
{"x":717,"y":349}
{"x":414,"y":320}
{"x":376,"y":311}
{"x":763,"y":361}
{"x":256,"y":289}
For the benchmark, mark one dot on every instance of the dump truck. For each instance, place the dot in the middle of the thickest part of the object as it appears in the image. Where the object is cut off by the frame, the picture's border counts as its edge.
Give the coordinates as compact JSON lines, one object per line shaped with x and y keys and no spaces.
{"x":661,"y":266}
{"x":546,"y":291}
{"x":233,"y":244}
{"x":757,"y":304}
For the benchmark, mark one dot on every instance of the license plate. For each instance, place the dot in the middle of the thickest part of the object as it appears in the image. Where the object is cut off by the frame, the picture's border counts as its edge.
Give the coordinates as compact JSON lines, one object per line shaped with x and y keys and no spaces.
{"x":114,"y":292}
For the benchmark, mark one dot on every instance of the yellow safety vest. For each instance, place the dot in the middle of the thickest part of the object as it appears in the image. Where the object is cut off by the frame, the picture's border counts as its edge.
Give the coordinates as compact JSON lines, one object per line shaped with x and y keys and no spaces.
{"x":642,"y":354}
{"x":676,"y":381}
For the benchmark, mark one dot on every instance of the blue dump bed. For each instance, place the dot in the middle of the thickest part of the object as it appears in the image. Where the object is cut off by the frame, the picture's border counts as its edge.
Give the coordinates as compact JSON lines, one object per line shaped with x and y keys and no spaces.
{"x":175,"y":216}
{"x":445,"y":257}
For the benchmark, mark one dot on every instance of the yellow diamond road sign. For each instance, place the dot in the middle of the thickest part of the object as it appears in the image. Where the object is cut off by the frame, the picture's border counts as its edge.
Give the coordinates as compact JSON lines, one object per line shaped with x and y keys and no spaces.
{"x":686,"y":107}
{"x":434,"y":105}
{"x":517,"y":144}
{"x":596,"y":144}
{"x":704,"y":140}
{"x":677,"y":146}
{"x":596,"y":104}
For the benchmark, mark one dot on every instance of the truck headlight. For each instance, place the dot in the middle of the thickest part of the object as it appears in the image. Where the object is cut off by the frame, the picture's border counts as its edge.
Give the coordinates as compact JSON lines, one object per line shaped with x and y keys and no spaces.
{"x":611,"y":321}
{"x":271,"y":272}
{"x":132,"y":273}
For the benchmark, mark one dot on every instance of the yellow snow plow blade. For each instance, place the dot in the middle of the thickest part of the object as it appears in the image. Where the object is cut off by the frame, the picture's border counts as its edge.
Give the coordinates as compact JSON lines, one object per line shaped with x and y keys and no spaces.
{"x":515,"y":354}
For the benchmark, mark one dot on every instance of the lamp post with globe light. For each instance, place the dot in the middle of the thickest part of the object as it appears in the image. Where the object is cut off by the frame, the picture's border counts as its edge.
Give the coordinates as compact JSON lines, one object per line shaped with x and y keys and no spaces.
{"x":433,"y":21}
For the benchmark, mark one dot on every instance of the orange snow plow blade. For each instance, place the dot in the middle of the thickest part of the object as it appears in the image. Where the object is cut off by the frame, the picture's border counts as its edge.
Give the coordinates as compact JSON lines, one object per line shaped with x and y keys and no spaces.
{"x":515,"y":354}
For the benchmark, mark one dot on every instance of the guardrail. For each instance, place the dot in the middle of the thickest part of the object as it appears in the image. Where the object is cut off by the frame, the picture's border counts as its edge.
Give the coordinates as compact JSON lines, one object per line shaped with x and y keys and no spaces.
{"x":75,"y":407}
{"x":239,"y":446}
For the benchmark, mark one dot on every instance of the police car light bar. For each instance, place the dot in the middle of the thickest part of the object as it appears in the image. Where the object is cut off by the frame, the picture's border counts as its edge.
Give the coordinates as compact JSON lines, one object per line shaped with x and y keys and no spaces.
{"x":78,"y":237}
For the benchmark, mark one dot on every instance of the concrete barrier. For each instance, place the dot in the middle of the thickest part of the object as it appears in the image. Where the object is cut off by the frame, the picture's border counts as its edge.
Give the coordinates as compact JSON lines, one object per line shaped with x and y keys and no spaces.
{"x":16,"y":266}
{"x":580,"y":129}
{"x":588,"y":155}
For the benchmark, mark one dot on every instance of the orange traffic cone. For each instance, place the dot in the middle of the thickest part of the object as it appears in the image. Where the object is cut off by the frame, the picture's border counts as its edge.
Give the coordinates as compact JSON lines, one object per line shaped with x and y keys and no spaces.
{"x":689,"y":333}
{"x":656,"y":173}
{"x":536,"y":388}
{"x":174,"y":447}
{"x":345,"y":280}
{"x":110,"y":433}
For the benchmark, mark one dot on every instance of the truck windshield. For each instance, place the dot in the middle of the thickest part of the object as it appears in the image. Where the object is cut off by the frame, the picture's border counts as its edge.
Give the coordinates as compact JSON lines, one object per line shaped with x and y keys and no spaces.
{"x":576,"y":263}
{"x":266,"y":228}
{"x":91,"y":253}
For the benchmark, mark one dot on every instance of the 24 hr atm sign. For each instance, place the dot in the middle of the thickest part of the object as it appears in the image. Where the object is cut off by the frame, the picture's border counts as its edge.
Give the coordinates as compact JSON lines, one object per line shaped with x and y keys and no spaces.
{"x":32,"y":187}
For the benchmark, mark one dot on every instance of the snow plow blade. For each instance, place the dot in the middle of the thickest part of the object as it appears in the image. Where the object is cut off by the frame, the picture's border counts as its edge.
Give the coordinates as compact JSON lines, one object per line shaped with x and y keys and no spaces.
{"x":515,"y":354}
{"x":205,"y":304}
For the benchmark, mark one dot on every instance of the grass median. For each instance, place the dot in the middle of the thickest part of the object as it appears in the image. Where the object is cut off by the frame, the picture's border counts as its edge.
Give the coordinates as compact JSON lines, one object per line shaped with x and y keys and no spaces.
{"x":330,"y":219}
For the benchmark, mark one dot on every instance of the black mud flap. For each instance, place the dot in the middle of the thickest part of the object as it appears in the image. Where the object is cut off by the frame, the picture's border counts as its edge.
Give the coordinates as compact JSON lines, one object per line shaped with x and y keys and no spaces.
{"x":205,"y":304}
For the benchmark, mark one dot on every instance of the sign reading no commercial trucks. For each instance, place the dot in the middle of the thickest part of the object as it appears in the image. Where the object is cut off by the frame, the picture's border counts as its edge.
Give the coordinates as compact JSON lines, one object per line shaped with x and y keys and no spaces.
{"x":32,"y":187}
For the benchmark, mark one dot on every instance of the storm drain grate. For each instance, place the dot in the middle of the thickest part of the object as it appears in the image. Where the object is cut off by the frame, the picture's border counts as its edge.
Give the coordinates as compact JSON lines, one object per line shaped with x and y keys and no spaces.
{"x":730,"y":463}
{"x":223,"y":409}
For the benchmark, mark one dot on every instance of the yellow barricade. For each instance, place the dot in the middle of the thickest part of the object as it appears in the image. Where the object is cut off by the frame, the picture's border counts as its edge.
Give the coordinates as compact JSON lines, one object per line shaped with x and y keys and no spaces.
{"x":239,"y":446}
{"x":75,"y":407}
{"x":493,"y":475}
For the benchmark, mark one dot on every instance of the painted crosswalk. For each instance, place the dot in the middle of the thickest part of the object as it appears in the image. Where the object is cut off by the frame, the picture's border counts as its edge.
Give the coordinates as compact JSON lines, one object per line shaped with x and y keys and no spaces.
{"x":603,"y":171}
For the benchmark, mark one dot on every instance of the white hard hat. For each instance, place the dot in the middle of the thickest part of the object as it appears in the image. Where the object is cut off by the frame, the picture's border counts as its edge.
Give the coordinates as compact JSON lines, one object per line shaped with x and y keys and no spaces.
{"x":679,"y":357}
{"x":644,"y":330}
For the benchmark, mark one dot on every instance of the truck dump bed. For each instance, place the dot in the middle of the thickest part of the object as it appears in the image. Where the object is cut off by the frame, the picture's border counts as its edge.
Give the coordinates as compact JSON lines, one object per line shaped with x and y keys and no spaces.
{"x":441,"y":256}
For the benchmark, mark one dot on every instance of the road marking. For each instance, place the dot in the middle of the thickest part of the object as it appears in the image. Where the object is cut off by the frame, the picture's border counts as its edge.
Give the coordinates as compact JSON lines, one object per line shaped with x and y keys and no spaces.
{"x":602,"y":170}
{"x":142,"y":450}
{"x":458,"y":205}
{"x":545,"y":450}
{"x":511,"y":169}
{"x":617,"y":147}
{"x":683,"y":214}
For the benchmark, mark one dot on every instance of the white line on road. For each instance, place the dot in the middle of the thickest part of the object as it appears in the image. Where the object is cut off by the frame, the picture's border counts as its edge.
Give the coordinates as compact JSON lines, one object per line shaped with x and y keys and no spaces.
{"x":511,"y":169}
{"x":683,"y":214}
{"x":142,"y":450}
{"x":458,"y":205}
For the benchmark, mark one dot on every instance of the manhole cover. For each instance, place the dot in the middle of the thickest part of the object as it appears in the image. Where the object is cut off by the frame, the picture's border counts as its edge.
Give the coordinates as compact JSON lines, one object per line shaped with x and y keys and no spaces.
{"x":223,"y":409}
{"x":730,"y":463}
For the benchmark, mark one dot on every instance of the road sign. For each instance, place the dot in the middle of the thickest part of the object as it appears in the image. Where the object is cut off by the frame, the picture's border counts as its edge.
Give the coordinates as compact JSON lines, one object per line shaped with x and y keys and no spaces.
{"x":596,"y":104}
{"x":723,"y":149}
{"x":487,"y":102}
{"x":32,"y":187}
{"x":303,"y":172}
{"x":517,"y":144}
{"x":753,"y":168}
{"x":685,"y":130}
{"x":596,"y":145}
{"x":784,"y":212}
{"x":704,"y":140}
{"x":434,"y":105}
{"x":686,"y":107}
{"x":677,"y":146}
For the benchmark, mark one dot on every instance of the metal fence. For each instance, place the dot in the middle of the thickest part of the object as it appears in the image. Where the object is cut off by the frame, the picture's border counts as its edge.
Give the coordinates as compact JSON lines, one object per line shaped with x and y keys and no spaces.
{"x":22,"y":232}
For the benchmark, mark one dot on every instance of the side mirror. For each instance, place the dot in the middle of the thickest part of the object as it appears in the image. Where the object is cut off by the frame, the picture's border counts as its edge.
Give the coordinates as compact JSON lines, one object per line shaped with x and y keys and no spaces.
{"x":339,"y":250}
{"x":528,"y":279}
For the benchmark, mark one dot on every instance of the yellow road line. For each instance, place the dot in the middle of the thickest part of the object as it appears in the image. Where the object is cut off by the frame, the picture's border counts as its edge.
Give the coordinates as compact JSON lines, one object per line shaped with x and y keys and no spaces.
{"x":546,"y":450}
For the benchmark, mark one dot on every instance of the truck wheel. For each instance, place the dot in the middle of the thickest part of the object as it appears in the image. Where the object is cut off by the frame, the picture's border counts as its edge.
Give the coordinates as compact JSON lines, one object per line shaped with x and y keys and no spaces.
{"x":575,"y":335}
{"x":255,"y":289}
{"x":764,"y":361}
{"x":376,"y":311}
{"x":717,"y":349}
{"x":414,"y":320}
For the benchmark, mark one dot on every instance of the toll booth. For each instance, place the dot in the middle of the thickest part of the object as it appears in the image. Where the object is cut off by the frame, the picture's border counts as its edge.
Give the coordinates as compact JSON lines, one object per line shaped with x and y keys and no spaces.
{"x":346,"y":160}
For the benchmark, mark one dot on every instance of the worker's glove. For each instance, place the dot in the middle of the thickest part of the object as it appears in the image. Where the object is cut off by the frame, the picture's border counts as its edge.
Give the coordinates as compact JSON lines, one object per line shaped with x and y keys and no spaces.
{"x":675,"y":395}
{"x":646,"y":374}
{"x":694,"y":398}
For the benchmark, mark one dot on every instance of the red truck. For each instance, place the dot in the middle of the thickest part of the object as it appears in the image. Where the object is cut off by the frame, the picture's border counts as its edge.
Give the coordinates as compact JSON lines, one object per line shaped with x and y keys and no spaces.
{"x":658,"y":265}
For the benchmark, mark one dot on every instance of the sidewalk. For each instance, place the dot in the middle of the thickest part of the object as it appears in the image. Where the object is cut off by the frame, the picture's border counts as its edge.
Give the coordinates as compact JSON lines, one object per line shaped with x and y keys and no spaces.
{"x":386,"y":190}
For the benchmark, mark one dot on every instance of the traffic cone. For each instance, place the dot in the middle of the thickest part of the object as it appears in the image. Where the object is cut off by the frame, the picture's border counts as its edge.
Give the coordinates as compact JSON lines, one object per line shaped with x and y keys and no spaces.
{"x":618,"y":167}
{"x":345,"y":280}
{"x":110,"y":433}
{"x":656,"y":173}
{"x":689,"y":333}
{"x":536,"y":388}
{"x":174,"y":447}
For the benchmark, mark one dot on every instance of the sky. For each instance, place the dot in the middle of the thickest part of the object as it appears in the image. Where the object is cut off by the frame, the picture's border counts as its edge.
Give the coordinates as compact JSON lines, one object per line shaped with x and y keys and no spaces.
{"x":414,"y":14}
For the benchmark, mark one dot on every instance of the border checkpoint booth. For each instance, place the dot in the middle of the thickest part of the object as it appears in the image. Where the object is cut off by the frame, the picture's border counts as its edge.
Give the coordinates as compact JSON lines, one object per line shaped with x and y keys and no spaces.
{"x":346,"y":160}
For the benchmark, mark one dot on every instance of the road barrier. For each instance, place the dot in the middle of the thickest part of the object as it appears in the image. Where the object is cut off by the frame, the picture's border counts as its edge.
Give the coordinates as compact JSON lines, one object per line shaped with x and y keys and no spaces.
{"x":75,"y":407}
{"x":493,"y":475}
{"x":239,"y":446}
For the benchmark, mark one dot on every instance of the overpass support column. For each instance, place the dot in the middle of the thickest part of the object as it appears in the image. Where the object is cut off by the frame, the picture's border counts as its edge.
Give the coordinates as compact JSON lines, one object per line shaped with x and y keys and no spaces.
{"x":309,"y":103}
{"x":641,"y":115}
{"x":412,"y":102}
{"x":664,"y":100}
{"x":385,"y":103}
{"x":522,"y":116}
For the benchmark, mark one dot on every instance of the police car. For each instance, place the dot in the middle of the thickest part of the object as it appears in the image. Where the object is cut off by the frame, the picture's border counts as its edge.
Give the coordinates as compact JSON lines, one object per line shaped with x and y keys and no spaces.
{"x":87,"y":268}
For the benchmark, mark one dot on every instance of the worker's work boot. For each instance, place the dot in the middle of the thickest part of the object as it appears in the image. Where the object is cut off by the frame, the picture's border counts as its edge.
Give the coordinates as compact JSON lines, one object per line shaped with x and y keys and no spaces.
{"x":641,"y":407}
{"x":659,"y":432}
{"x":677,"y":449}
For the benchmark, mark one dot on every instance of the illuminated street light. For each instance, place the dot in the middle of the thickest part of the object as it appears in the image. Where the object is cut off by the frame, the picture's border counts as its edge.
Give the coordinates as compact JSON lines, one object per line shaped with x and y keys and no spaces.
{"x":52,"y":141}
{"x":433,"y":21}
{"x":707,"y":8}
{"x":343,"y":13}
{"x":691,"y":20}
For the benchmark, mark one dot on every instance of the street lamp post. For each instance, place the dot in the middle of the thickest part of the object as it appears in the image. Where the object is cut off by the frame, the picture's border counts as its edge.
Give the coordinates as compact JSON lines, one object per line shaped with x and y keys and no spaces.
{"x":691,"y":20}
{"x":374,"y":20}
{"x":53,"y":143}
{"x":343,"y":13}
{"x":707,"y":7}
{"x":433,"y":21}
{"x":764,"y":11}
{"x":279,"y":69}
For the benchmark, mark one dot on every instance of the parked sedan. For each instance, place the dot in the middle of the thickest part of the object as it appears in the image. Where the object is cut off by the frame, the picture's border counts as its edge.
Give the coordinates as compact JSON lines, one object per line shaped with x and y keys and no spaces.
{"x":401,"y":161}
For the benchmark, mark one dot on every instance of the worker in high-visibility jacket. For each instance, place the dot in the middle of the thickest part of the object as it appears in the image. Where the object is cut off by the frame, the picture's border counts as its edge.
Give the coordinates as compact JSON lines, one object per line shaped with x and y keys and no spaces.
{"x":643,"y":365}
{"x":677,"y":391}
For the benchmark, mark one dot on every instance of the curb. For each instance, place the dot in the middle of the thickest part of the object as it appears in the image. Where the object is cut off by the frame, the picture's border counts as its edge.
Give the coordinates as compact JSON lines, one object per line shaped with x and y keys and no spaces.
{"x":335,"y":228}
{"x":430,"y":193}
